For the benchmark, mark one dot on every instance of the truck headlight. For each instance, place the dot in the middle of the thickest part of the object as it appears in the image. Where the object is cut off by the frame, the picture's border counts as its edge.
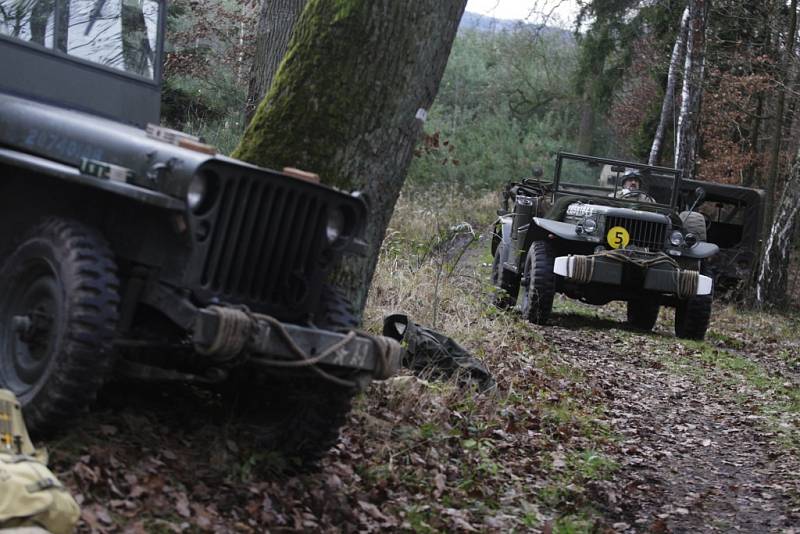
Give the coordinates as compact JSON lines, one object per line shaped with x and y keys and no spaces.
{"x":335,"y":225}
{"x":676,"y":238}
{"x":196,"y":192}
{"x":690,"y":240}
{"x":589,"y":225}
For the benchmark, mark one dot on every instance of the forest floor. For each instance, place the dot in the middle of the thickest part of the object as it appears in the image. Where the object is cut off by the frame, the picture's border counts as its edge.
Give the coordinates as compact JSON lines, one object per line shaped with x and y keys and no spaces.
{"x":593,"y":428}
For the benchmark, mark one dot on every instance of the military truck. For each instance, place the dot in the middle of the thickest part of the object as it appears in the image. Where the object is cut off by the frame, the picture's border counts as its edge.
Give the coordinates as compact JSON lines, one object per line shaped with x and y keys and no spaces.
{"x":137,"y":251}
{"x":594,"y":241}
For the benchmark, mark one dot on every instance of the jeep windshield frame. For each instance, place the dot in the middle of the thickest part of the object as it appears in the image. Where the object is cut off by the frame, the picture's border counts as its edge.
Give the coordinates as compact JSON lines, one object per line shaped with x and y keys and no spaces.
{"x":655,"y":177}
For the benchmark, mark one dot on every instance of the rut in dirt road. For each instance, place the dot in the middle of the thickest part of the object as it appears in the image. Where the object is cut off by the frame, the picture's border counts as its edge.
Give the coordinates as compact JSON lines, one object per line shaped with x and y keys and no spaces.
{"x":691,"y":458}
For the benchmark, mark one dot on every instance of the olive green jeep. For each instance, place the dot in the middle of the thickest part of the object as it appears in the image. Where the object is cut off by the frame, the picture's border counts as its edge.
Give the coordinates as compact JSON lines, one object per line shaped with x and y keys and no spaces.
{"x":136,"y":251}
{"x":605,"y":230}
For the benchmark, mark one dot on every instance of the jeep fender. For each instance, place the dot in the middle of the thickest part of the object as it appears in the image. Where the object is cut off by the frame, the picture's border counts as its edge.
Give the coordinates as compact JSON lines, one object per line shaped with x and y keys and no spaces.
{"x":70,"y":174}
{"x":700,"y":251}
{"x":557,"y":228}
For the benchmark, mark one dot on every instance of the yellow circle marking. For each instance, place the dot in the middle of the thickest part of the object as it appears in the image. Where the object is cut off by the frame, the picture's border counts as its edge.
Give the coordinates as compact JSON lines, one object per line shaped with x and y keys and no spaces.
{"x":618,"y":237}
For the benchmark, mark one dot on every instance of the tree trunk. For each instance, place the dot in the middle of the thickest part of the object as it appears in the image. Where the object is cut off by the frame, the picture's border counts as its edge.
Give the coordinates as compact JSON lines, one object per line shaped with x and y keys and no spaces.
{"x":775,"y":155}
{"x":688,"y":120}
{"x":349,"y":102}
{"x":275,"y":23}
{"x":668,"y":105}
{"x":774,"y":273}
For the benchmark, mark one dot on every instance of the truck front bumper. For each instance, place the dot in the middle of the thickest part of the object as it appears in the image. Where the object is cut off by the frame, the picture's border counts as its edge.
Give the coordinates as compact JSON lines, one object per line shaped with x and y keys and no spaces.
{"x":223,"y":333}
{"x":660,"y":277}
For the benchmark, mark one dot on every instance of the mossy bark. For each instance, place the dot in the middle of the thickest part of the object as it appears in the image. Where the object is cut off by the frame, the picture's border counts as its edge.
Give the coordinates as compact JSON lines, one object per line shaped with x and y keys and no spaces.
{"x":346,"y":103}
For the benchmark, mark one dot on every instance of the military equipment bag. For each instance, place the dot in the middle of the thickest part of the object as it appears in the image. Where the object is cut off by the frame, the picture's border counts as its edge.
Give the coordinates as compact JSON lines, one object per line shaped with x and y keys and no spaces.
{"x":30,"y":494}
{"x":429,"y":353}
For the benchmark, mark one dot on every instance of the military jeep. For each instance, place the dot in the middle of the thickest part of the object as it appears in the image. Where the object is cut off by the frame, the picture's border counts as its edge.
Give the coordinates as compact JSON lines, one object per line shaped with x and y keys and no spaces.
{"x":137,"y":251}
{"x":583,"y":235}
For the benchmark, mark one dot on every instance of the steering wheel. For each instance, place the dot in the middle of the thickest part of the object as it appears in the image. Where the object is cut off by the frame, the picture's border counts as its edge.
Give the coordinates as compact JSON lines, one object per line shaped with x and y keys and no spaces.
{"x":638,"y":193}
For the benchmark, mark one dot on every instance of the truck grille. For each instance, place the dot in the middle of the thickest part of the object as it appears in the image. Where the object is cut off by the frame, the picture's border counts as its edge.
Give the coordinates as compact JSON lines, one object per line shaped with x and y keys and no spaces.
{"x":265,"y":241}
{"x":646,"y":234}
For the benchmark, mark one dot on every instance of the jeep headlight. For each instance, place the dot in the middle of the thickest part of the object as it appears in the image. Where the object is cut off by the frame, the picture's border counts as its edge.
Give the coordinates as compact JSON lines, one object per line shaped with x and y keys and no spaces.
{"x":676,"y":238}
{"x":690,"y":240}
{"x":589,"y":225}
{"x":198,"y":188}
{"x":335,"y":224}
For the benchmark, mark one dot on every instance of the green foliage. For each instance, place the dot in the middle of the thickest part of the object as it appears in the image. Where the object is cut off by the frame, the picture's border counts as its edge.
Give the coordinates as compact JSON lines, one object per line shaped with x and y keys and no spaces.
{"x":503,"y":106}
{"x":208,"y":55}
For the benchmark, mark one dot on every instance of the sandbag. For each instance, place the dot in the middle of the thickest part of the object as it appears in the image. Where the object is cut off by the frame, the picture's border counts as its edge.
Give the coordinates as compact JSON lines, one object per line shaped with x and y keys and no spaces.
{"x":432,"y":354}
{"x":30,"y":494}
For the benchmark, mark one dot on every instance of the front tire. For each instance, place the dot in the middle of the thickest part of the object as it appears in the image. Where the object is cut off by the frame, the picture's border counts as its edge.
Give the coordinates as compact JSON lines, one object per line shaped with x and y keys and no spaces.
{"x":300,"y":414}
{"x":538,"y":283}
{"x":59,"y":299}
{"x":507,"y":284}
{"x":692,"y":317}
{"x":643,"y":314}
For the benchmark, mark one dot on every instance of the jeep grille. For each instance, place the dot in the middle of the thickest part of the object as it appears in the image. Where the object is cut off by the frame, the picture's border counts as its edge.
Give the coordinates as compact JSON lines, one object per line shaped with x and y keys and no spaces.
{"x":645,"y":234}
{"x":265,"y":242}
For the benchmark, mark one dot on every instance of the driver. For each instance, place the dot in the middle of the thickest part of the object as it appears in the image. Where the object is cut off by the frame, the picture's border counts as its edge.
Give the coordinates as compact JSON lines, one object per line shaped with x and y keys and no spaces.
{"x":631,"y":188}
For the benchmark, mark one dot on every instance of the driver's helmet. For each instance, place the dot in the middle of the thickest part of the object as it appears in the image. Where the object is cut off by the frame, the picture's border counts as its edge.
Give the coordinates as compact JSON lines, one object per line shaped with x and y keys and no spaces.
{"x":629,"y":177}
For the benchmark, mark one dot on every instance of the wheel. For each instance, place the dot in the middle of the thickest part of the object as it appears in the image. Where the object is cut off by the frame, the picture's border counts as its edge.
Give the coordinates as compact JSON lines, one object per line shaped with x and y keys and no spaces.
{"x":694,"y":223}
{"x":507,"y":283}
{"x":59,"y":299}
{"x":643,"y":313}
{"x":538,"y":283}
{"x":299,"y":415}
{"x":692,"y":316}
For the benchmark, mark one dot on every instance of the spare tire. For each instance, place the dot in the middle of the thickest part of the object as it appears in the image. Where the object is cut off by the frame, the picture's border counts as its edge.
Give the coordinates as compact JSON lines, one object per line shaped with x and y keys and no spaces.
{"x":694,"y":223}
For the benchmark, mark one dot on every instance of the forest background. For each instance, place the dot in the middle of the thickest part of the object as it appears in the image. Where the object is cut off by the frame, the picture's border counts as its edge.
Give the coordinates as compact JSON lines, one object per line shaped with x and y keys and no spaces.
{"x":515,"y":93}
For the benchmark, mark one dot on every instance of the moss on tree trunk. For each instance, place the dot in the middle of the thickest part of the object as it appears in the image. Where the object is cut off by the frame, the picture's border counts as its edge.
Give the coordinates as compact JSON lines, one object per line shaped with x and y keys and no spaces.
{"x":346,"y":100}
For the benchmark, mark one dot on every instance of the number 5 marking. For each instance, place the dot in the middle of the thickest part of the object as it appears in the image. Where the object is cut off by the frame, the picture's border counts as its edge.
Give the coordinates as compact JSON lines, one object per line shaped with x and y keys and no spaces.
{"x":618,"y":237}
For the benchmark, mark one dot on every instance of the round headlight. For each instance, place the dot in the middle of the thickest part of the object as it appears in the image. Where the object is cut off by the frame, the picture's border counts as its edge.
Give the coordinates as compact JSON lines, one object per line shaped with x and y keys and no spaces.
{"x":676,"y":238}
{"x":335,"y":225}
{"x":690,"y":240}
{"x":589,"y":225}
{"x":197,"y":192}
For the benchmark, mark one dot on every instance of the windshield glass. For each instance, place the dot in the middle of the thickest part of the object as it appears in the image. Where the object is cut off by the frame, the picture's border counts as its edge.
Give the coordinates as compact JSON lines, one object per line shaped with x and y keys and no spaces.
{"x":628,"y":182}
{"x":121,"y":34}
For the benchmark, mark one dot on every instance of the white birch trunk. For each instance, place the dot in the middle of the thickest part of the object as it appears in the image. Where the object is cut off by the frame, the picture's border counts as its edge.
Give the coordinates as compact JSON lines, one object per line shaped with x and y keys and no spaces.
{"x":773,"y":275}
{"x":688,"y":120}
{"x":668,"y":105}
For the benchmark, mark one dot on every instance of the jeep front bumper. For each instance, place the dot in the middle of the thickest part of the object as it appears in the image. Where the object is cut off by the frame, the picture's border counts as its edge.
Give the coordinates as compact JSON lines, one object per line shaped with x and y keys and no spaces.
{"x":223,"y":333}
{"x":660,"y":277}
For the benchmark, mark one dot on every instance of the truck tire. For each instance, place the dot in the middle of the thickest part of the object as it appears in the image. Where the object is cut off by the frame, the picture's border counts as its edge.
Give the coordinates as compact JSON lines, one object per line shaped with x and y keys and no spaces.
{"x":538,"y":283}
{"x":692,"y":316}
{"x":694,"y":223}
{"x":59,"y":300}
{"x":643,"y":314}
{"x":300,"y":414}
{"x":507,"y":284}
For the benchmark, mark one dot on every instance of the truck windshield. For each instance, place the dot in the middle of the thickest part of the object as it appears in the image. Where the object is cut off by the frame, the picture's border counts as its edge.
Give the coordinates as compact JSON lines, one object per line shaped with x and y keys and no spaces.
{"x":121,"y":34}
{"x":626,"y":182}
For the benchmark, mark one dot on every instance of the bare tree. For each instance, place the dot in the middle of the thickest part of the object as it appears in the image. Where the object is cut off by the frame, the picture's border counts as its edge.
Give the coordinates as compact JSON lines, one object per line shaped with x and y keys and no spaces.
{"x":276,"y":20}
{"x":688,"y":120}
{"x":668,"y":105}
{"x":349,"y":102}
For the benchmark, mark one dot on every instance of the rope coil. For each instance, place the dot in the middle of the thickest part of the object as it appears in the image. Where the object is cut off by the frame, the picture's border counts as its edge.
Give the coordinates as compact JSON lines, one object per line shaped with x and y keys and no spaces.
{"x":687,"y":282}
{"x":237,"y":327}
{"x":584,"y":269}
